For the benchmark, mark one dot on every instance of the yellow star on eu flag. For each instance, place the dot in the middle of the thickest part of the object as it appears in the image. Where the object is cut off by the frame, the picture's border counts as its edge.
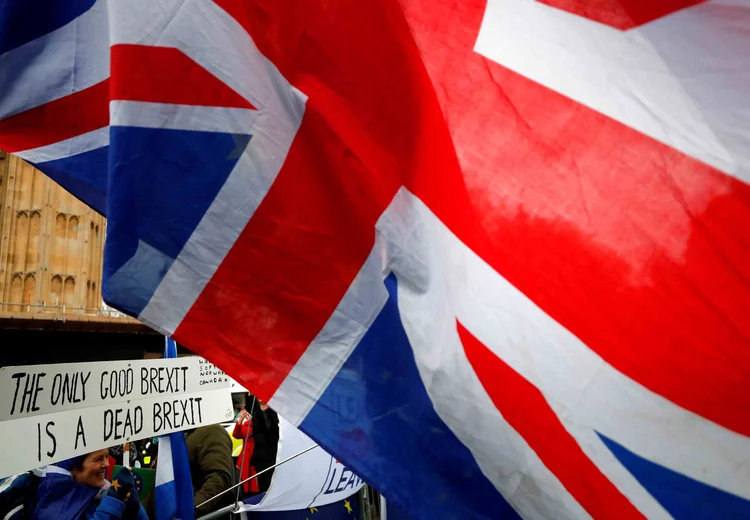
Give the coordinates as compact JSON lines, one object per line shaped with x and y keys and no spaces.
{"x":116,"y":485}
{"x":348,"y":506}
{"x":313,"y":510}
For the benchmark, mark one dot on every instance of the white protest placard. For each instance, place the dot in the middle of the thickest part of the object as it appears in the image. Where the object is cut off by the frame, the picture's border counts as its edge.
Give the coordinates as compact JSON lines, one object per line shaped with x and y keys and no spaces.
{"x":43,"y":389}
{"x":44,"y":420}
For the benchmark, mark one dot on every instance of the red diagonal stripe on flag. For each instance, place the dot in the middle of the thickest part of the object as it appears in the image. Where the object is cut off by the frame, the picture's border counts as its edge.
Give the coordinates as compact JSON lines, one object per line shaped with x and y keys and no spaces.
{"x":622,"y":14}
{"x":364,"y":129}
{"x":61,"y":119}
{"x":167,"y":75}
{"x":524,"y":407}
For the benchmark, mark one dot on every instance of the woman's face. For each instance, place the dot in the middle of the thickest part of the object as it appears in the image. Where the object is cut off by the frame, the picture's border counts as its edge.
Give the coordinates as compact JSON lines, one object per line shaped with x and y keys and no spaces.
{"x":94,"y":469}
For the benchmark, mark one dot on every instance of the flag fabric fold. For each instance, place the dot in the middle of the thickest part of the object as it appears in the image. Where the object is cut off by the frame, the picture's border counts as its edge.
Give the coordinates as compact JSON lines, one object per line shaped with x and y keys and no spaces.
{"x":173,"y":490}
{"x":491,"y":254}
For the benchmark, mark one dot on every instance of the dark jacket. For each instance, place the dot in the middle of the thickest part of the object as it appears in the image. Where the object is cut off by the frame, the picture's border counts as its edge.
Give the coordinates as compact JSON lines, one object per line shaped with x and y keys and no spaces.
{"x":211,"y":467}
{"x":266,"y":434}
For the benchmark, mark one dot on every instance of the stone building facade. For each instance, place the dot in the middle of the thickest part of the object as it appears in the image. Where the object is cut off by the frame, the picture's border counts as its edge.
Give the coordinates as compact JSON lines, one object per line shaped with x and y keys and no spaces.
{"x":50,"y":244}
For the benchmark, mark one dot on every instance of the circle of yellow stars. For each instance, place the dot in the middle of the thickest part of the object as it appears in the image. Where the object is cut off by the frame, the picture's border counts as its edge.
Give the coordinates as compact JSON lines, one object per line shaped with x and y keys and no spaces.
{"x":347,"y":505}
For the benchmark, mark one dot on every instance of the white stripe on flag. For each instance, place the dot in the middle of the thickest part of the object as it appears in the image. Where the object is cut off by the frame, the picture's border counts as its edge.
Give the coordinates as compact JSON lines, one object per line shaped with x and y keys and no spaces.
{"x":182,"y":117}
{"x":164,"y":469}
{"x":677,"y":79}
{"x":69,"y":147}
{"x":67,"y":60}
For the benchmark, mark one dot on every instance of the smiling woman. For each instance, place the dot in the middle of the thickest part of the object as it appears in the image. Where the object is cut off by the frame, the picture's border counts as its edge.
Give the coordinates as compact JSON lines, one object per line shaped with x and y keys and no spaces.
{"x":75,"y":489}
{"x":91,"y":469}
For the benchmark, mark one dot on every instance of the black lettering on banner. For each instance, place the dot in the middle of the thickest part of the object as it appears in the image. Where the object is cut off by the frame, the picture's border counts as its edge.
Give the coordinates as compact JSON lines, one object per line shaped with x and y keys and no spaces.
{"x":329,"y":489}
{"x":167,"y":411}
{"x":175,"y":411}
{"x":128,"y":425}
{"x":157,"y":415}
{"x":125,"y":383}
{"x":184,"y":405}
{"x":54,"y":440}
{"x":83,"y":384}
{"x":161,"y":380}
{"x":112,"y":384}
{"x":177,"y":414}
{"x":192,"y":411}
{"x":144,"y":381}
{"x":80,"y":433}
{"x":17,"y":377}
{"x":56,"y":387}
{"x":118,"y":423}
{"x":122,"y":383}
{"x":343,"y":478}
{"x":170,"y":386}
{"x":37,"y":389}
{"x":153,"y":372}
{"x":68,"y":388}
{"x":39,"y":441}
{"x":351,"y":481}
{"x":138,"y":419}
{"x":102,"y":388}
{"x":108,"y":421}
{"x":184,"y":378}
{"x":28,"y":389}
{"x":198,"y":402}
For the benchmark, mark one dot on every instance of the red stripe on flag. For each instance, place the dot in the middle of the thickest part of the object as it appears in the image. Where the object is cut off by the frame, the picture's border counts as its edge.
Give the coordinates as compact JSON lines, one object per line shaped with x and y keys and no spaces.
{"x":639,"y":250}
{"x":622,"y":14}
{"x":167,"y":75}
{"x":524,"y":407}
{"x":311,"y":234}
{"x":61,"y":119}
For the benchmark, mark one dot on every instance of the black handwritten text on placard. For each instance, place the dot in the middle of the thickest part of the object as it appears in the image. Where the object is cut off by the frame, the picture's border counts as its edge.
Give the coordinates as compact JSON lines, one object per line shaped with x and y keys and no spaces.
{"x":44,"y":389}
{"x":46,"y":439}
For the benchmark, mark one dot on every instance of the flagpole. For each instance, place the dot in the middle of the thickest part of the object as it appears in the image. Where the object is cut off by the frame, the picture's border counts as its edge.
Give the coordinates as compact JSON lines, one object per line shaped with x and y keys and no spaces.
{"x":224,"y":510}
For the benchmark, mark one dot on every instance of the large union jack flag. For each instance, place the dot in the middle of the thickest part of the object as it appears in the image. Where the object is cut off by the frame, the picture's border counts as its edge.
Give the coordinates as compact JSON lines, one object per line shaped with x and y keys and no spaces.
{"x":492,"y":254}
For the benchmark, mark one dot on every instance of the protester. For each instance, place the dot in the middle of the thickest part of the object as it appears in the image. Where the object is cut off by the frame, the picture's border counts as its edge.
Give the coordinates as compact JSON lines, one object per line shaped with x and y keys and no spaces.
{"x":266,"y":434}
{"x":76,"y":489}
{"x":243,"y":431}
{"x":211,"y":469}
